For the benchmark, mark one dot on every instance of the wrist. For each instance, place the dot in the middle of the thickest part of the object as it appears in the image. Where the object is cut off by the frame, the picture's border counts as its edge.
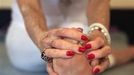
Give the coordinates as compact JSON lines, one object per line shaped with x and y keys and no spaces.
{"x":40,"y":39}
{"x":97,"y":29}
{"x":95,"y":34}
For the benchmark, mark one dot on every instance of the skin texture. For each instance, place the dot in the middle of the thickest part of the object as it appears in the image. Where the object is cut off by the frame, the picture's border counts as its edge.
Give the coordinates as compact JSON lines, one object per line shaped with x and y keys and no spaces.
{"x":77,"y":65}
{"x":37,"y":29}
{"x":98,"y":11}
{"x":34,"y":19}
{"x":124,"y":56}
{"x":69,"y":67}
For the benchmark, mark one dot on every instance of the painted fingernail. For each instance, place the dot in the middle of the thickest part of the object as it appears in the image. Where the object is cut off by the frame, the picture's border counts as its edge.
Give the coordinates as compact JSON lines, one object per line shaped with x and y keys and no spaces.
{"x":91,"y":56}
{"x":84,"y":38}
{"x":70,"y":53}
{"x":82,"y":49}
{"x":87,"y":46}
{"x":96,"y":71}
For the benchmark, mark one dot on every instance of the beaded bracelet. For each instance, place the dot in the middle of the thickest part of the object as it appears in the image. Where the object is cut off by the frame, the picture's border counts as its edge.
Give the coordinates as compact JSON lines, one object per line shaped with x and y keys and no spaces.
{"x":100,"y":27}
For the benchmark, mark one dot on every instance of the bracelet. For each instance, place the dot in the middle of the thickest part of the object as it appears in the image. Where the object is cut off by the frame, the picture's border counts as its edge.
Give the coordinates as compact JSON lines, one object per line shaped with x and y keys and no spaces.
{"x":100,"y":27}
{"x":111,"y":60}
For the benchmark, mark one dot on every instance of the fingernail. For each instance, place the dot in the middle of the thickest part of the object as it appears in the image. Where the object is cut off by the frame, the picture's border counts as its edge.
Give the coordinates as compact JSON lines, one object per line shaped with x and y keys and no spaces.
{"x":80,"y":29}
{"x":82,"y":49}
{"x":97,"y":70}
{"x":87,"y":46}
{"x":84,"y":38}
{"x":70,"y":53}
{"x":91,"y":56}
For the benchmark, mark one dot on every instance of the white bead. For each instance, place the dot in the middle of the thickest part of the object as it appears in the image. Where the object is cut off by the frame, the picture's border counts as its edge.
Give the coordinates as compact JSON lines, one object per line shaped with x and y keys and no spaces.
{"x":92,"y":29}
{"x":96,"y":28}
{"x":102,"y":31}
{"x":105,"y":34}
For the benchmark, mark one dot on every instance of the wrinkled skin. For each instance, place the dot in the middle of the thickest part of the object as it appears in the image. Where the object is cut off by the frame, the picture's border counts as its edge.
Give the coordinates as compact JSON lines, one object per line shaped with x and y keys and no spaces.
{"x":78,"y":65}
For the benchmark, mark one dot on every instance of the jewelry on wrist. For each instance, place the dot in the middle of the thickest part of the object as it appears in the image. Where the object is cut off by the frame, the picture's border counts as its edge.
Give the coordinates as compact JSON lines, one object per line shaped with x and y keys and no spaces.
{"x":111,"y":60}
{"x":101,"y":28}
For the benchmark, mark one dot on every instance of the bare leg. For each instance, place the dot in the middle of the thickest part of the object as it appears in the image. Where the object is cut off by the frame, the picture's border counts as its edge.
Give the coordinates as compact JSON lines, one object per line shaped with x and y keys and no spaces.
{"x":124,"y":56}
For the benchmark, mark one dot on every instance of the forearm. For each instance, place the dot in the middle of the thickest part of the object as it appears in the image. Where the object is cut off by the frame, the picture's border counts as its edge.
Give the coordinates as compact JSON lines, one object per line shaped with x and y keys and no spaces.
{"x":33,"y":17}
{"x":99,"y":11}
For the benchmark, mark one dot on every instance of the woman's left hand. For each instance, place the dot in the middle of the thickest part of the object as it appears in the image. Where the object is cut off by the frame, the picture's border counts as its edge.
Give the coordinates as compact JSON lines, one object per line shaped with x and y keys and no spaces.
{"x":98,"y":50}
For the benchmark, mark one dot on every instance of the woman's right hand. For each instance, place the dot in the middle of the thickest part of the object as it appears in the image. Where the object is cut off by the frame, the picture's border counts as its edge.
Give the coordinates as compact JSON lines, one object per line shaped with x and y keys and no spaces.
{"x":57,"y":47}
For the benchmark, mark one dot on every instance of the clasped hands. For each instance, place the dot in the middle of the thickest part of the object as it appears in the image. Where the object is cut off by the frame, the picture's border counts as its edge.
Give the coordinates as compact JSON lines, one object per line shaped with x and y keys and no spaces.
{"x":73,"y":51}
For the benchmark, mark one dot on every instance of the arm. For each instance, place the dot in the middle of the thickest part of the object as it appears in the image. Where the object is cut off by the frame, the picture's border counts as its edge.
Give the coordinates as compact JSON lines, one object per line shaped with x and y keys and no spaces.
{"x":98,"y":11}
{"x":34,"y":19}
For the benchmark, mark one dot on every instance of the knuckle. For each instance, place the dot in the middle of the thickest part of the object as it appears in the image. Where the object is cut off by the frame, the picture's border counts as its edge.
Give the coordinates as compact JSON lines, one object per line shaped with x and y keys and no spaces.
{"x":54,"y":42}
{"x":47,"y":52}
{"x":57,"y":53}
{"x":62,"y":31}
{"x":100,"y":40}
{"x":45,"y":42}
{"x":108,"y":49}
{"x":74,"y":47}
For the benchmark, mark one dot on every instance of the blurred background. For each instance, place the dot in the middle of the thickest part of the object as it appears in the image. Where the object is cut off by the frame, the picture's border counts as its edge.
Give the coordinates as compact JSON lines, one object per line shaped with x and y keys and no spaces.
{"x":122,"y":20}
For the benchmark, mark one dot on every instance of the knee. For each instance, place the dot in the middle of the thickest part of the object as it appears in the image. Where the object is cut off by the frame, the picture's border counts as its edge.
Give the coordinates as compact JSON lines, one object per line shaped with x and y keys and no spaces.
{"x":29,"y":67}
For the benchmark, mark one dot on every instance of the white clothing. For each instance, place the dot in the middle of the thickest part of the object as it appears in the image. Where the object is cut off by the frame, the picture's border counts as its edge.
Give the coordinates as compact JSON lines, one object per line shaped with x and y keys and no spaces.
{"x":21,"y":50}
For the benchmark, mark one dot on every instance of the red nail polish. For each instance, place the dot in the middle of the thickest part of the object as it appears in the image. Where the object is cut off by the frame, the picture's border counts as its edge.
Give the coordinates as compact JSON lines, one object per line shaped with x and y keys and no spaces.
{"x":91,"y":56}
{"x":97,"y":70}
{"x":84,"y":38}
{"x":88,"y":46}
{"x":70,"y":53}
{"x":82,"y":49}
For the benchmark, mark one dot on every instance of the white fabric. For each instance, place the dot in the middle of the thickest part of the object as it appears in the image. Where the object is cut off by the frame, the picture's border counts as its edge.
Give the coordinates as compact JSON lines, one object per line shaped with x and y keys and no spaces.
{"x":21,"y":50}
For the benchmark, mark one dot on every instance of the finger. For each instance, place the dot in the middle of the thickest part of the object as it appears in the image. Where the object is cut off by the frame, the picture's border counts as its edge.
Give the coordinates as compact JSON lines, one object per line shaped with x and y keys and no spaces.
{"x":72,"y":34}
{"x":94,"y":62}
{"x":100,"y":53}
{"x":62,"y":44}
{"x":47,"y":41}
{"x":50,"y":69}
{"x":71,"y":41}
{"x":80,"y":29}
{"x":57,"y":53}
{"x":102,"y":67}
{"x":95,"y":44}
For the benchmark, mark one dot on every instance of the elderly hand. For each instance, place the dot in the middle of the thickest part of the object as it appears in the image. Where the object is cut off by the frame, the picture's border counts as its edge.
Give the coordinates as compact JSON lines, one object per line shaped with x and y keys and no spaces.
{"x":56,"y":46}
{"x":98,"y":51}
{"x":78,"y":65}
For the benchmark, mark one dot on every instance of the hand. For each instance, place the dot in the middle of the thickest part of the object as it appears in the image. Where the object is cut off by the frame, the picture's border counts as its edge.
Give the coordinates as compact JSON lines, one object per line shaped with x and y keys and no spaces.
{"x":98,"y":51}
{"x":78,"y":65}
{"x":57,"y":47}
